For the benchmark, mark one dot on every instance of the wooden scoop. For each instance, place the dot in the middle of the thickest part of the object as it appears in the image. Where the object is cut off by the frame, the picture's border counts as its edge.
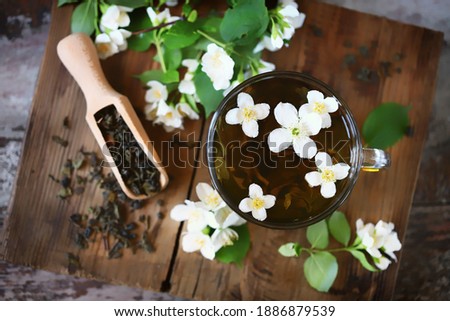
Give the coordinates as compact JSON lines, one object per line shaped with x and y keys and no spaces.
{"x":78,"y":54}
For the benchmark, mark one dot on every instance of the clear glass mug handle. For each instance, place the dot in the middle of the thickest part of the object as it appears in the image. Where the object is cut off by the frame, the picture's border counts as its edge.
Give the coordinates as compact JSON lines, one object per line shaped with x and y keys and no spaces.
{"x":375,"y":159}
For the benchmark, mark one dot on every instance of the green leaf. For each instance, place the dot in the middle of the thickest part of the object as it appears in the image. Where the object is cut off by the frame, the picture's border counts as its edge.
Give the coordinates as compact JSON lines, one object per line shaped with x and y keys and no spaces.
{"x":148,"y":75}
{"x":168,"y":77}
{"x":339,"y":227}
{"x":247,"y":20}
{"x":172,"y":58}
{"x":142,"y":41}
{"x":317,"y":235}
{"x":290,"y":249}
{"x":236,"y":252}
{"x":386,"y":125}
{"x":83,"y":17}
{"x":361,"y":257}
{"x":209,"y":97}
{"x":63,"y":2}
{"x":192,"y":16}
{"x":130,"y":4}
{"x":182,"y":34}
{"x":321,"y":270}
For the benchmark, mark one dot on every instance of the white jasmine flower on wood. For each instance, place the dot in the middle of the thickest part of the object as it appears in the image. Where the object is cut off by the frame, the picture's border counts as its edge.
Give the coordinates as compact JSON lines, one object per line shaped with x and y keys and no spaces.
{"x":195,"y":216}
{"x":197,"y":241}
{"x":327,"y":174}
{"x":156,"y":92}
{"x":218,"y":65}
{"x":257,"y":202}
{"x":105,"y":46}
{"x":296,"y":129}
{"x":247,"y":114}
{"x":380,"y":241}
{"x":320,"y":105}
{"x":187,"y":85}
{"x":185,"y":110}
{"x":221,"y":221}
{"x":115,"y":17}
{"x":210,"y":198}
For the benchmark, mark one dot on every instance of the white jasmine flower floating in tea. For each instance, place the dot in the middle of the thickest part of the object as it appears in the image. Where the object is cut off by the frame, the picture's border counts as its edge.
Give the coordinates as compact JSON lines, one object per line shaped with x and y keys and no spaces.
{"x":327,"y":174}
{"x":378,"y":240}
{"x":247,"y":114}
{"x":317,"y":103}
{"x":257,"y":202}
{"x":218,"y":65}
{"x":296,"y":128}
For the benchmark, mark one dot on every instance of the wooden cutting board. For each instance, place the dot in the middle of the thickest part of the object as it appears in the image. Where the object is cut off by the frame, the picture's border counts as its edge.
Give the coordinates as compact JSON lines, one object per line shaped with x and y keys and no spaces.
{"x":366,"y":59}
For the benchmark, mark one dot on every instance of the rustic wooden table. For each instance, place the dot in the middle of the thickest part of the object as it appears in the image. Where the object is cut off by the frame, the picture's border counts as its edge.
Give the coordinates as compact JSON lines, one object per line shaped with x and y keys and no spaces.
{"x":38,"y":233}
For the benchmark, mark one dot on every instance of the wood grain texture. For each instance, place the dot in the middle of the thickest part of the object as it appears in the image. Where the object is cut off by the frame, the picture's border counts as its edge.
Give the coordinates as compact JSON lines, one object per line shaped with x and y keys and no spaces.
{"x":38,"y":233}
{"x":322,"y":48}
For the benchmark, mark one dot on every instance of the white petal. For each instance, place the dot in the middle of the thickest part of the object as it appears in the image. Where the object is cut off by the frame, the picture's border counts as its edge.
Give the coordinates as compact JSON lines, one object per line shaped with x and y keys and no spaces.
{"x":305,"y":147}
{"x":223,"y":237}
{"x":152,"y":15}
{"x":328,"y":190}
{"x":314,"y":96}
{"x":359,"y":225}
{"x":392,"y":243}
{"x":262,"y":111}
{"x":234,"y":116}
{"x":276,"y":41}
{"x":180,"y":213}
{"x":233,"y":220}
{"x":286,"y":114}
{"x":331,"y":104}
{"x":197,"y":224}
{"x":269,"y":201}
{"x":323,"y":160}
{"x":382,"y":263}
{"x":214,"y":220}
{"x":313,"y":178}
{"x":208,"y":251}
{"x":250,"y":128}
{"x":192,"y":241}
{"x":254,"y":191}
{"x":245,"y":100}
{"x":289,"y":11}
{"x":117,"y":37}
{"x":246,"y":205}
{"x":186,"y":87}
{"x":326,"y":120}
{"x":312,"y":122}
{"x":260,"y":214}
{"x":187,"y":110}
{"x":190,"y":64}
{"x":305,"y":109}
{"x":279,"y":139}
{"x":203,"y":190}
{"x":298,"y":21}
{"x":341,"y":170}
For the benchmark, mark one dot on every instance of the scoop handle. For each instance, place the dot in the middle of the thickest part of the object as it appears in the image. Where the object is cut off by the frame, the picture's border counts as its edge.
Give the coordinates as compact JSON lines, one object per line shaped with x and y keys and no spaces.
{"x":78,"y":53}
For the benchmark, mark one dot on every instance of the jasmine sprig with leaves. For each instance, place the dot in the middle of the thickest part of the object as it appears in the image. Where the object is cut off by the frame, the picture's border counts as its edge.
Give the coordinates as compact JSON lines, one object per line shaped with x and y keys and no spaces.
{"x":201,"y":58}
{"x":376,"y":243}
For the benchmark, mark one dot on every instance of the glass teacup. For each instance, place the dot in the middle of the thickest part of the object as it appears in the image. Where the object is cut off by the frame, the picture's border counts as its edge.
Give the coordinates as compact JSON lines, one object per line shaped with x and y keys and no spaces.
{"x":296,"y":173}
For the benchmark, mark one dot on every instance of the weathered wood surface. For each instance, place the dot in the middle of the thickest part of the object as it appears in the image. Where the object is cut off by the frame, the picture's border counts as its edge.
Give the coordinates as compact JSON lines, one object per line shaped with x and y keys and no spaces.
{"x":38,"y":233}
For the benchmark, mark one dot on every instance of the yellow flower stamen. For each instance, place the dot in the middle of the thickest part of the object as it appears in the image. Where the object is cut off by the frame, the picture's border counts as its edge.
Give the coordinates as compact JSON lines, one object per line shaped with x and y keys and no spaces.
{"x":249,"y":113}
{"x":103,"y":47}
{"x":157,"y":94}
{"x":257,"y":203}
{"x":212,"y":200}
{"x":328,"y":176}
{"x":319,"y":108}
